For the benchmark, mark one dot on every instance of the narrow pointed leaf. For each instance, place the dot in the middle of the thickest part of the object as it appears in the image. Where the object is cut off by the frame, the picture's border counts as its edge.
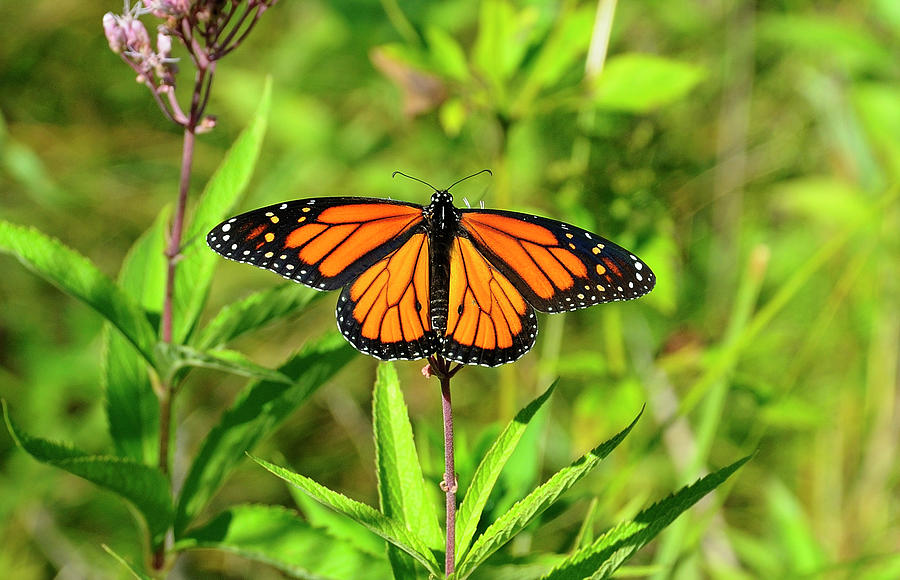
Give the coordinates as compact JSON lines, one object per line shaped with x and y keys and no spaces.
{"x":391,"y":530}
{"x":258,"y":410}
{"x":194,"y":272}
{"x":336,"y":524}
{"x":177,"y":357}
{"x":401,"y":486}
{"x":132,"y":408}
{"x":279,"y":537}
{"x":613,"y":548}
{"x":255,"y":312}
{"x":79,"y":277}
{"x":146,"y":488}
{"x":489,"y":470}
{"x":524,"y":511}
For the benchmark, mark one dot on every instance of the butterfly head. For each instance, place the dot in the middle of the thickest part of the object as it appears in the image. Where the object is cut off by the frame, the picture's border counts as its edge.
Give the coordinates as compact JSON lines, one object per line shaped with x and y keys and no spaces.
{"x":441,"y":196}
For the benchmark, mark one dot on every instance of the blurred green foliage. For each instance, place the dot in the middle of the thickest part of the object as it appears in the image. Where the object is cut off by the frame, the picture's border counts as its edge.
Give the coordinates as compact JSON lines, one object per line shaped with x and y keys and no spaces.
{"x":749,"y":152}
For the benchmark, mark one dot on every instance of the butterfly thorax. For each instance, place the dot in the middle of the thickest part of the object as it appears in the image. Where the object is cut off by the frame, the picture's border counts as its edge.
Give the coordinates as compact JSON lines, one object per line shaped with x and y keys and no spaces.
{"x":443,"y":224}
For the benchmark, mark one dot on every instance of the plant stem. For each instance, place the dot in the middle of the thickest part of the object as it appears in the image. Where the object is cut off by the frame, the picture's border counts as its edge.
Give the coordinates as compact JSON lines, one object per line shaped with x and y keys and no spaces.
{"x":166,"y":391}
{"x":442,"y":369}
{"x":449,"y":483}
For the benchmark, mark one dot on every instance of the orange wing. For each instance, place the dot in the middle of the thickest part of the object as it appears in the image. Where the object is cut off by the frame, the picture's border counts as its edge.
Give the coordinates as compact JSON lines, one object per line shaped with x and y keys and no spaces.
{"x":488,"y":321}
{"x":556,"y":266}
{"x":386,"y":311}
{"x":324,"y":242}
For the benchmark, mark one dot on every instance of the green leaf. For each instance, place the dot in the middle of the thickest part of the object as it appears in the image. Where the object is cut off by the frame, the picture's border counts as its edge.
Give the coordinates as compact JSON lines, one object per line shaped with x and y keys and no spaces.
{"x":79,"y":277}
{"x":143,"y":486}
{"x":279,"y":537}
{"x":393,"y":531}
{"x":132,"y":408}
{"x":194,"y":272}
{"x":489,"y":470}
{"x":135,"y":572}
{"x":446,"y":54}
{"x":337,"y":525}
{"x":254,"y":312}
{"x":259,"y":409}
{"x":401,"y":487}
{"x":566,"y":46}
{"x":523,"y":512}
{"x":639,"y":83}
{"x":174,"y":357}
{"x":605,"y":555}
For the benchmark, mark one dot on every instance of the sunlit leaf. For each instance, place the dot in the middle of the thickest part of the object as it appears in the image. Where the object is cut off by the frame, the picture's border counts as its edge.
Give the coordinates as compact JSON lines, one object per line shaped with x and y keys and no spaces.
{"x":489,"y":470}
{"x":401,"y":487}
{"x":132,"y":408}
{"x":79,"y":277}
{"x":609,"y":551}
{"x":393,"y":531}
{"x":280,"y":538}
{"x":523,"y":512}
{"x":146,"y":488}
{"x":255,"y":312}
{"x":638,"y":83}
{"x":258,"y":410}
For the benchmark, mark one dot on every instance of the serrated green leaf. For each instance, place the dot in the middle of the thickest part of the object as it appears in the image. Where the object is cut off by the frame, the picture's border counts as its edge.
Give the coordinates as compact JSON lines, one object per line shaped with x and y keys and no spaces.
{"x":135,"y":572}
{"x":254,"y":312}
{"x":174,"y":357}
{"x":401,"y":486}
{"x":194,"y":272}
{"x":337,"y":525}
{"x":605,"y":555}
{"x":279,"y":537}
{"x":258,"y":410}
{"x":393,"y":531}
{"x":146,"y":488}
{"x":489,"y":470}
{"x":79,"y":277}
{"x":638,"y":83}
{"x":524,"y":511}
{"x":132,"y":408}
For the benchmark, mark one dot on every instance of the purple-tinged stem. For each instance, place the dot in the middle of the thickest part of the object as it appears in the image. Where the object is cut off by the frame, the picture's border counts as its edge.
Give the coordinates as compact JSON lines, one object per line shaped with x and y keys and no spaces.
{"x":442,"y":369}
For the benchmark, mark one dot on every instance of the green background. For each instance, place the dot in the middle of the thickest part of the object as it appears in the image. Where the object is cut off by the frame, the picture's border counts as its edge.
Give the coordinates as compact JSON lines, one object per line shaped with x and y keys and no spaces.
{"x":754,"y":165}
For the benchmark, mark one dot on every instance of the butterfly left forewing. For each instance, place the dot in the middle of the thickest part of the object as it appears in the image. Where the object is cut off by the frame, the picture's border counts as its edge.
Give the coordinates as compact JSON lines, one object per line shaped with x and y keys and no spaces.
{"x":321,"y":242}
{"x":385,"y":312}
{"x":488,"y":321}
{"x":555,"y":265}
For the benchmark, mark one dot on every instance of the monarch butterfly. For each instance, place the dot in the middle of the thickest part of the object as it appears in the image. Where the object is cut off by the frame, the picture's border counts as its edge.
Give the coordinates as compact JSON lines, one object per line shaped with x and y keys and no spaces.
{"x":434,"y":280}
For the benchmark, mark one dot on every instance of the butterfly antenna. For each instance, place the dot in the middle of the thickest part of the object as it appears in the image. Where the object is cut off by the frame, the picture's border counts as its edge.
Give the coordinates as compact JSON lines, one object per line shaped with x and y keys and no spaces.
{"x":488,"y":171}
{"x":396,"y":173}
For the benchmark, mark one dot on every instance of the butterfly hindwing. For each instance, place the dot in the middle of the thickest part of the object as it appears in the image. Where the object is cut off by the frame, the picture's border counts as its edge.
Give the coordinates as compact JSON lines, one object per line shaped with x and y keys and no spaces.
{"x":488,"y":321}
{"x":556,"y":266}
{"x":386,"y":311}
{"x":324,"y":242}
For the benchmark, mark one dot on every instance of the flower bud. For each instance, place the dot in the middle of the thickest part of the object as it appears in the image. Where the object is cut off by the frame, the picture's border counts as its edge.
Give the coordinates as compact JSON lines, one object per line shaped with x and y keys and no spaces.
{"x":136,"y":36}
{"x":112,"y":28}
{"x":163,"y":45}
{"x":207,"y":124}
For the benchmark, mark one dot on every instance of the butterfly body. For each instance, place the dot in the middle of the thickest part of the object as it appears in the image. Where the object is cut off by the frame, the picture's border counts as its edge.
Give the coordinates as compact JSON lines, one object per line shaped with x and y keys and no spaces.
{"x":434,"y":280}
